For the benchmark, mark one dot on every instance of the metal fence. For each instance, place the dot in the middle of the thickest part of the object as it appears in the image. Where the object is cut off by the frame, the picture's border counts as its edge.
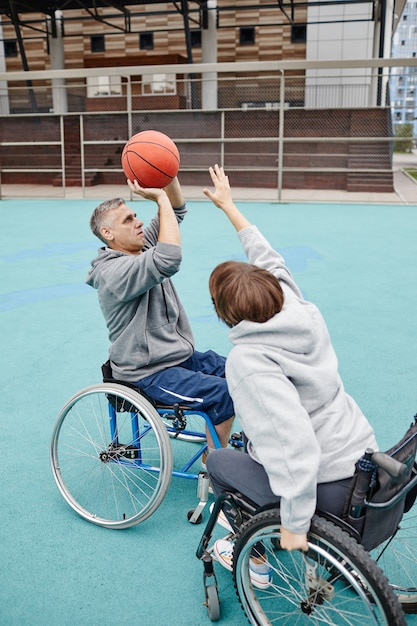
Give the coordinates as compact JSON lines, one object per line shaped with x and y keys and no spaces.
{"x":280,"y":125}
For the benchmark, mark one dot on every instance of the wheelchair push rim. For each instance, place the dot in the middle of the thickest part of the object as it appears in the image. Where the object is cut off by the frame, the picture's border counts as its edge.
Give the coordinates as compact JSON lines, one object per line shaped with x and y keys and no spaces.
{"x":111,"y":456}
{"x":335,"y":582}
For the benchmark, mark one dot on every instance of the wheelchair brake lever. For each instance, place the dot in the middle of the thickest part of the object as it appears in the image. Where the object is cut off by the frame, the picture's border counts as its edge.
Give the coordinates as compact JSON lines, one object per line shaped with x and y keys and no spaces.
{"x":180,"y":421}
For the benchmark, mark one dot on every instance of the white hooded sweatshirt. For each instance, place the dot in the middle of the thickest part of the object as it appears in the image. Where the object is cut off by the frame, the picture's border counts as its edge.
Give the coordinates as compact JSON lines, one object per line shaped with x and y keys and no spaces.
{"x":289,"y":398}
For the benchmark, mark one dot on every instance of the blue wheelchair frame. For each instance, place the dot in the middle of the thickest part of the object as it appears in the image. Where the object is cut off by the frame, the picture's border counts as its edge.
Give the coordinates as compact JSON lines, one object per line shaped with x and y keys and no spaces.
{"x":176,"y":415}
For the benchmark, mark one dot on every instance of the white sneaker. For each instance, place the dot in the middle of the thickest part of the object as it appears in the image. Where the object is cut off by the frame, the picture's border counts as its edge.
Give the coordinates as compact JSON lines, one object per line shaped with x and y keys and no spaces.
{"x":222,"y":519}
{"x":260,"y":573}
{"x":223,"y":553}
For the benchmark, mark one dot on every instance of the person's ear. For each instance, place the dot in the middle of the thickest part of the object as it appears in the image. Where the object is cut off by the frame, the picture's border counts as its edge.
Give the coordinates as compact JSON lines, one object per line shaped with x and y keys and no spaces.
{"x":107,"y":233}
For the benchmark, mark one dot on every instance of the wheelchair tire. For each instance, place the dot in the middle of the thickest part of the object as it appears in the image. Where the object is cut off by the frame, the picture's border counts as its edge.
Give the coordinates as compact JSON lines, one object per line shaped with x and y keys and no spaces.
{"x":111,"y":456}
{"x":335,"y":582}
{"x":397,"y":558}
{"x":213,"y":603}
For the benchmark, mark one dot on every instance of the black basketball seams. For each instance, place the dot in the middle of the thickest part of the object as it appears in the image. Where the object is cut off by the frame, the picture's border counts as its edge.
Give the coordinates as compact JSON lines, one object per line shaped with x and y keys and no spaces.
{"x":139,"y":156}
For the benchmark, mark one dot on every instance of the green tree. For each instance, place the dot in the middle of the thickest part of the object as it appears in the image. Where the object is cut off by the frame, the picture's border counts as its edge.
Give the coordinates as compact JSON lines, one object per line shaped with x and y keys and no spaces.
{"x":404,"y":133}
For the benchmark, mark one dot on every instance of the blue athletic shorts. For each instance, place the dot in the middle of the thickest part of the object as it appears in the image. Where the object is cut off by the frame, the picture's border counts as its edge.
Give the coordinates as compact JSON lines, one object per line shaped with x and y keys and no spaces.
{"x":199,"y":383}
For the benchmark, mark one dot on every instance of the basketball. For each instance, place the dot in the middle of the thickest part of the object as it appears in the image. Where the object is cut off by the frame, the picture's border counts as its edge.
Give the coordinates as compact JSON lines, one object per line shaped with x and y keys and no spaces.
{"x":151,"y":158}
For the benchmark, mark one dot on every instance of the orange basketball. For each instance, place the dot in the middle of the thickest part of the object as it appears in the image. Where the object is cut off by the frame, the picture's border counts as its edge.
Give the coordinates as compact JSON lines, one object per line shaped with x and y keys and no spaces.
{"x":151,"y":158}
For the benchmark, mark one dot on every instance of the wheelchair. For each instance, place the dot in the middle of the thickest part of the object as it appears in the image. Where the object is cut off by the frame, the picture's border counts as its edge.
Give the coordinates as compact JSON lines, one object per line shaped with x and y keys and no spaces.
{"x":111,"y":453}
{"x":359,"y":569}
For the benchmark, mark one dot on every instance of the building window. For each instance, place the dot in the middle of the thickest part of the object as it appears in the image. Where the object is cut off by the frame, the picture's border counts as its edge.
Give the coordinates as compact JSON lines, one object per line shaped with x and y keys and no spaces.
{"x":247,"y":36}
{"x":10,"y":48}
{"x":98,"y":86}
{"x":159,"y":84}
{"x":146,"y":41}
{"x":298,"y":33}
{"x":195,"y":38}
{"x":97,"y":43}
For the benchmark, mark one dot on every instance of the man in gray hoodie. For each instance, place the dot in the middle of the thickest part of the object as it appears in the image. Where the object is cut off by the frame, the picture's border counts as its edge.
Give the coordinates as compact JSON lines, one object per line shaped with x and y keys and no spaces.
{"x":152,"y":344}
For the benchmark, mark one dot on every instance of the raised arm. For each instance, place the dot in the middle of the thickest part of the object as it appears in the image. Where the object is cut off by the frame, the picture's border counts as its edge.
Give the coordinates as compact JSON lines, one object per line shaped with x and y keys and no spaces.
{"x":169,"y":230}
{"x":222,"y":198}
{"x":174,"y":193}
{"x":257,"y":248}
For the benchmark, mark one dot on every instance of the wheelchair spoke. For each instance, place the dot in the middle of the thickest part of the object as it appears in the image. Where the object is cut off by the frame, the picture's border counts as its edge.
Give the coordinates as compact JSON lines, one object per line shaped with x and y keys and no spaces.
{"x":397,"y":557}
{"x":334,"y":583}
{"x":112,"y":466}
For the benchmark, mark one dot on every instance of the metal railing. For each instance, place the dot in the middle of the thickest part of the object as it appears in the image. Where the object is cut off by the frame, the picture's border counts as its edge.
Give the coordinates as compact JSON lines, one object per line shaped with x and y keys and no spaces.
{"x":280,"y":125}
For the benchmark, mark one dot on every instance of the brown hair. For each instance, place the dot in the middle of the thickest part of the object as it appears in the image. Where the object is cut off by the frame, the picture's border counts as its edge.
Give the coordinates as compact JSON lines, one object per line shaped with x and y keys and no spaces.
{"x":241,"y":291}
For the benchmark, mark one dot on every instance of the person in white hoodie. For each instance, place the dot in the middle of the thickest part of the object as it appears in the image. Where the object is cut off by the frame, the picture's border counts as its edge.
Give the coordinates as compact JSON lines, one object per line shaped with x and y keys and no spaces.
{"x":305,"y":433}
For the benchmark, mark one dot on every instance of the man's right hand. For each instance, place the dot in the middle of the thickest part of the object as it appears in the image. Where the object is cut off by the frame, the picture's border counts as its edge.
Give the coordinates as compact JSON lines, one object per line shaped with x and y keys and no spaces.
{"x":149,"y":193}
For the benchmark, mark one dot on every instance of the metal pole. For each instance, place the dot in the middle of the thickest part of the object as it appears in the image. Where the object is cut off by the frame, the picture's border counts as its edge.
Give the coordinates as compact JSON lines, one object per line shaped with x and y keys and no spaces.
{"x":383,"y":19}
{"x":61,"y":130}
{"x":82,"y":155}
{"x":209,"y":91}
{"x":15,"y":20}
{"x":184,"y":10}
{"x":129,"y":116}
{"x":222,"y":139}
{"x":281,"y":132}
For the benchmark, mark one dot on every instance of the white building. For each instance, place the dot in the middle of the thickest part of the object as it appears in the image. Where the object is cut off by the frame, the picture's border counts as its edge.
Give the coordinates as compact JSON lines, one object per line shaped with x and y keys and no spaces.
{"x":403,"y":83}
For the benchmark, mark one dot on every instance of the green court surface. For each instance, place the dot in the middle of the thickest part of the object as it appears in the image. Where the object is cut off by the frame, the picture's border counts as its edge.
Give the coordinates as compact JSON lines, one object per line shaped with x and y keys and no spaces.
{"x":358,"y":263}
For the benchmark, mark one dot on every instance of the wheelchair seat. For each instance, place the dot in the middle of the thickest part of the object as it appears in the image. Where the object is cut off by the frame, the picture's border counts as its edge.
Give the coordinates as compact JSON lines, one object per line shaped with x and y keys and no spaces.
{"x":108,"y":377}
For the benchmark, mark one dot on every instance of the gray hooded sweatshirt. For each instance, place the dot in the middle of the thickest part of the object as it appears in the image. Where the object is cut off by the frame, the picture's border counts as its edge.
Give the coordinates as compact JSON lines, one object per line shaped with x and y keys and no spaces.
{"x":147,"y":324}
{"x":289,"y":398}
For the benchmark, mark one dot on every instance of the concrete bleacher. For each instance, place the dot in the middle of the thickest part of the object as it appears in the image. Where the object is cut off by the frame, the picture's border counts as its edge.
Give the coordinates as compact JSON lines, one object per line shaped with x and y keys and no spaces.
{"x":341,"y":149}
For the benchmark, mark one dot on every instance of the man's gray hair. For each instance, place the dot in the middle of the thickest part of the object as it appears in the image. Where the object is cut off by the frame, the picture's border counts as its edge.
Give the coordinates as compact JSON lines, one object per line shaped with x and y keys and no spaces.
{"x":98,"y":218}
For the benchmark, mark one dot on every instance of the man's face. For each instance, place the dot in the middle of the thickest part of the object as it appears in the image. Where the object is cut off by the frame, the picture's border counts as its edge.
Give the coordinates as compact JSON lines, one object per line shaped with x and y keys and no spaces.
{"x":124,"y":231}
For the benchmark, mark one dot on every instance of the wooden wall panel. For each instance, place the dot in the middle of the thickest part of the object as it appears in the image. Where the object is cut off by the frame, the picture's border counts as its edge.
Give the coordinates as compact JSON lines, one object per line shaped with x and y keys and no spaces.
{"x":272,"y":36}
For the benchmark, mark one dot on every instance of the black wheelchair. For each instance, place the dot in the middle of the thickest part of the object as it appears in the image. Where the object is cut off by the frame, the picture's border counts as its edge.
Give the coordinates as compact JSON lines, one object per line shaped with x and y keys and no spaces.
{"x":359,"y":569}
{"x":111,"y":452}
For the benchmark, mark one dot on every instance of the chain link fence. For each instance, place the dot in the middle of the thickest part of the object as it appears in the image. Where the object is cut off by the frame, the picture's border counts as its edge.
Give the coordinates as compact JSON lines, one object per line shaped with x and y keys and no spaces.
{"x":285,"y":126}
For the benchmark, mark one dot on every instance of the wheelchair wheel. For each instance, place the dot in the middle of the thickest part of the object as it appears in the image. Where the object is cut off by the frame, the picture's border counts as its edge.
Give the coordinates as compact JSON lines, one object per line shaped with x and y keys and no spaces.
{"x":397,"y":557}
{"x":212,"y":602}
{"x":335,"y":582}
{"x":111,"y":456}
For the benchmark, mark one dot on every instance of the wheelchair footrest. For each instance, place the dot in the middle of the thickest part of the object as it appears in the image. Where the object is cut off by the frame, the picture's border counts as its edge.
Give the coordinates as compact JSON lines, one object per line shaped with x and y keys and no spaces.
{"x":202,"y":493}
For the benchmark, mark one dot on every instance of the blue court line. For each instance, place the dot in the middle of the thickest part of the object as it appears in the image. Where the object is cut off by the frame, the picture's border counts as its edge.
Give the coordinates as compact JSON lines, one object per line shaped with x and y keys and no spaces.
{"x":26,"y":297}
